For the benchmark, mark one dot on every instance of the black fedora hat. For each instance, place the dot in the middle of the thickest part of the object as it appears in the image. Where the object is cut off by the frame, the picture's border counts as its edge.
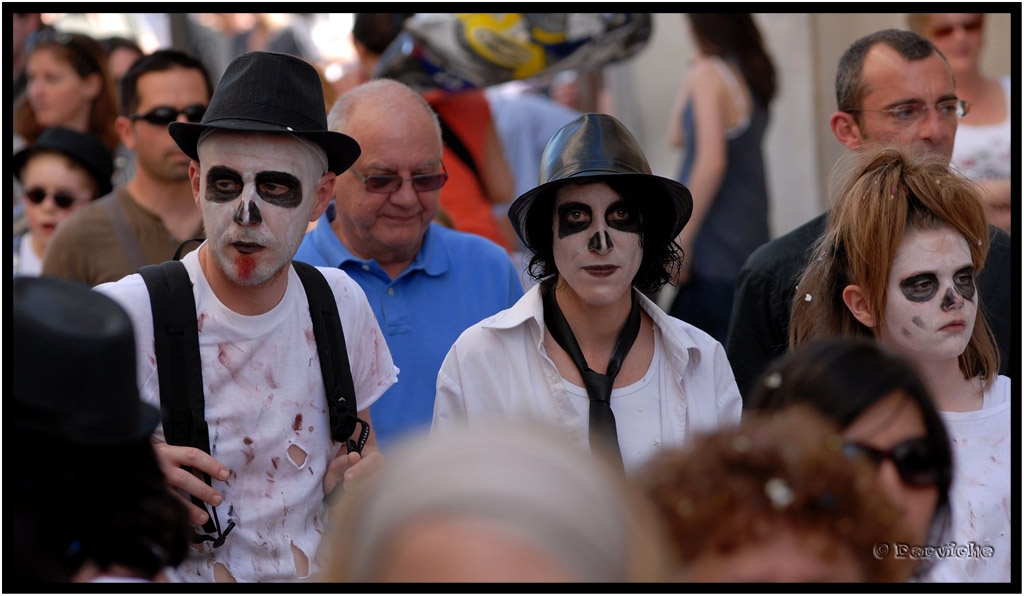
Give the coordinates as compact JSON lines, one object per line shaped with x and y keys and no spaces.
{"x":74,"y":375}
{"x":81,"y":147}
{"x":598,"y":146}
{"x":270,"y":93}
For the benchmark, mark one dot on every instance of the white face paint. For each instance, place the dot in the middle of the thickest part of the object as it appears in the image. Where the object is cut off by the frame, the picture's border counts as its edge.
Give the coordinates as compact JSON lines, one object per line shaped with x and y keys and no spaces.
{"x":596,"y":242}
{"x":256,"y":193}
{"x":931,"y":297}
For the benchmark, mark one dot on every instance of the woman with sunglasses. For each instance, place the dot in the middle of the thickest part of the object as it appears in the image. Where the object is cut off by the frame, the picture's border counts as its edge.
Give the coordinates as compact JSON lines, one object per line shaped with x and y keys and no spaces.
{"x":885,"y":414}
{"x":905,"y":240}
{"x":63,"y":170}
{"x":982,"y":150}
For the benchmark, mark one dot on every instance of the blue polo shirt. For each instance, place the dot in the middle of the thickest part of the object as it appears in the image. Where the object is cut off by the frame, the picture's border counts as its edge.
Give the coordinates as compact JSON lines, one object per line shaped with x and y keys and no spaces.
{"x":456,"y":280}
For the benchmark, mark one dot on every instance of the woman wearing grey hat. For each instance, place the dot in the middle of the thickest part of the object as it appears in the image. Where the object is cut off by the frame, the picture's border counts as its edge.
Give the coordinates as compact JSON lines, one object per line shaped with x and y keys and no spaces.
{"x":585,"y":347}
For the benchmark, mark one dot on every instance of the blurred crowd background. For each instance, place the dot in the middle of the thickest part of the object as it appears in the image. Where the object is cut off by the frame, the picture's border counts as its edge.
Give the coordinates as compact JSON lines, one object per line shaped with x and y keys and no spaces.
{"x":639,"y":90}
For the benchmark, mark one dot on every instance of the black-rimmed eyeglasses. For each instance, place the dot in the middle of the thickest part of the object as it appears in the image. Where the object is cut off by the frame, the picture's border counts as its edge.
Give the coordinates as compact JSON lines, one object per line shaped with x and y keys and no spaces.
{"x":914,"y":112}
{"x":389,"y":183}
{"x":164,"y":115}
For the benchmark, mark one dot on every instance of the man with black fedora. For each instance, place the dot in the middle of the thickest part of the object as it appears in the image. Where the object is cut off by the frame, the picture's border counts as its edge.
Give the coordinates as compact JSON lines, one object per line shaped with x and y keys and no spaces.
{"x":85,"y":498}
{"x":585,"y":346}
{"x":263,"y":167}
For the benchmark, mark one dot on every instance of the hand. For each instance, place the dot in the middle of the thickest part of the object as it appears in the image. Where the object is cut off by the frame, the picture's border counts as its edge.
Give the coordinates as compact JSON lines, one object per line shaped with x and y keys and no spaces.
{"x":347,"y":467}
{"x":173,"y":457}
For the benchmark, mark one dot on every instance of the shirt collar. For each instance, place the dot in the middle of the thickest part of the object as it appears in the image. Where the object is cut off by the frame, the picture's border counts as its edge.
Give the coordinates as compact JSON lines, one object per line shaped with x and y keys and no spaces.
{"x":433,"y":258}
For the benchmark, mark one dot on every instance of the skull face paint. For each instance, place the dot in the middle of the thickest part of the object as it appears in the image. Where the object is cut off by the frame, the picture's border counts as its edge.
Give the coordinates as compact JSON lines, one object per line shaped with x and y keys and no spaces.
{"x":252,"y":190}
{"x":922,"y":288}
{"x":931,"y":305}
{"x":597,"y":244}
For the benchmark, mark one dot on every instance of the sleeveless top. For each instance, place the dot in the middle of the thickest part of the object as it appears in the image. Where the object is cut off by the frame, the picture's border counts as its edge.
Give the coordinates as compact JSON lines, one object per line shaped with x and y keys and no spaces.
{"x":984,"y":151}
{"x":737,"y":221}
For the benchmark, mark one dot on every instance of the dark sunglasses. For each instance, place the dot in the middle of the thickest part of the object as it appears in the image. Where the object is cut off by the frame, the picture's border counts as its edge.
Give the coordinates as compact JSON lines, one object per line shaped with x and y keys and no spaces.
{"x":389,"y":183}
{"x":63,"y":199}
{"x":164,"y":115}
{"x":947,"y":30}
{"x":914,"y":459}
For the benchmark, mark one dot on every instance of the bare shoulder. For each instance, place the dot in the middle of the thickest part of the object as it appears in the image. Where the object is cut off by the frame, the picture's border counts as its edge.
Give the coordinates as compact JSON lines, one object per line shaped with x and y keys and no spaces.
{"x":703,"y":70}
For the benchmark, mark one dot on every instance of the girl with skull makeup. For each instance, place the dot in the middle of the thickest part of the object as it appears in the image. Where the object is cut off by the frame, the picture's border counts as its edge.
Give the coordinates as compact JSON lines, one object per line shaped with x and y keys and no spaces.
{"x":585,"y":347}
{"x":905,"y":241}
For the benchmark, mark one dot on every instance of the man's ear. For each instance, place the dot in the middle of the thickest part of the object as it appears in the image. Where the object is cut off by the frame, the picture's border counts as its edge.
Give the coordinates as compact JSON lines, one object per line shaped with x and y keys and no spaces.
{"x":857,"y":302}
{"x":123,"y":126}
{"x":193,"y":175}
{"x":846,"y":130}
{"x":324,"y":195}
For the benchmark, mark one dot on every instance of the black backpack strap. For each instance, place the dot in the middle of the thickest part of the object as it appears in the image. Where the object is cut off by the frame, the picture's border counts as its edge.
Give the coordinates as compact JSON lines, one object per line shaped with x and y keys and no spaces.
{"x":179,"y":368}
{"x":182,"y":403}
{"x":334,"y":364}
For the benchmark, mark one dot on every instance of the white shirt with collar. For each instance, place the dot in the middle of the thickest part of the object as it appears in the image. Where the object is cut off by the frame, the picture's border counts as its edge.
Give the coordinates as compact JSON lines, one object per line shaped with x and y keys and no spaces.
{"x":500,"y":368}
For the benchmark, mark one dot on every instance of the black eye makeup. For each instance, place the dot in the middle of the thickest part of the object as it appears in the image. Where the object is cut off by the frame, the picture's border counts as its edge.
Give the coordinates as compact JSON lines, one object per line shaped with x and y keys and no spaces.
{"x":576,"y":217}
{"x":924,"y":286}
{"x":624,"y":216}
{"x":573,"y":218}
{"x":280,"y":189}
{"x":921,"y":287}
{"x":223,"y":184}
{"x":963,"y":281}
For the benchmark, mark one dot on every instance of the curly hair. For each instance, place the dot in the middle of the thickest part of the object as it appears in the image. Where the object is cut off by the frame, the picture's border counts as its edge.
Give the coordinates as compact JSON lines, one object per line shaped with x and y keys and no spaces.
{"x":660,"y":260}
{"x":878,"y":197}
{"x":735,"y":487}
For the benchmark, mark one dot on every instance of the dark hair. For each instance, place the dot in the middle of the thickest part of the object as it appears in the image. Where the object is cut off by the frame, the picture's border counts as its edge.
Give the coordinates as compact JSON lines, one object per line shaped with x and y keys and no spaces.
{"x":660,"y":260}
{"x":376,"y":30}
{"x":736,"y":36}
{"x":158,"y":61}
{"x":117,"y":43}
{"x":842,"y":377}
{"x":87,"y":57}
{"x":850,"y":84}
{"x":108,"y":505}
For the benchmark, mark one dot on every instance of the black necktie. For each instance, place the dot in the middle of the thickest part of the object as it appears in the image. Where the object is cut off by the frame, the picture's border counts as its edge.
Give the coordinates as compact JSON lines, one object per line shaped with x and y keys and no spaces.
{"x":599,"y":387}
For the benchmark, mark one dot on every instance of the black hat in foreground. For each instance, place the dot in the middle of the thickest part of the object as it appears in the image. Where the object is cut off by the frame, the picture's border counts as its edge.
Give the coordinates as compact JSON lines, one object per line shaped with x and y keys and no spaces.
{"x":267,"y":92}
{"x":598,"y":146}
{"x":73,"y":377}
{"x":80,"y":147}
